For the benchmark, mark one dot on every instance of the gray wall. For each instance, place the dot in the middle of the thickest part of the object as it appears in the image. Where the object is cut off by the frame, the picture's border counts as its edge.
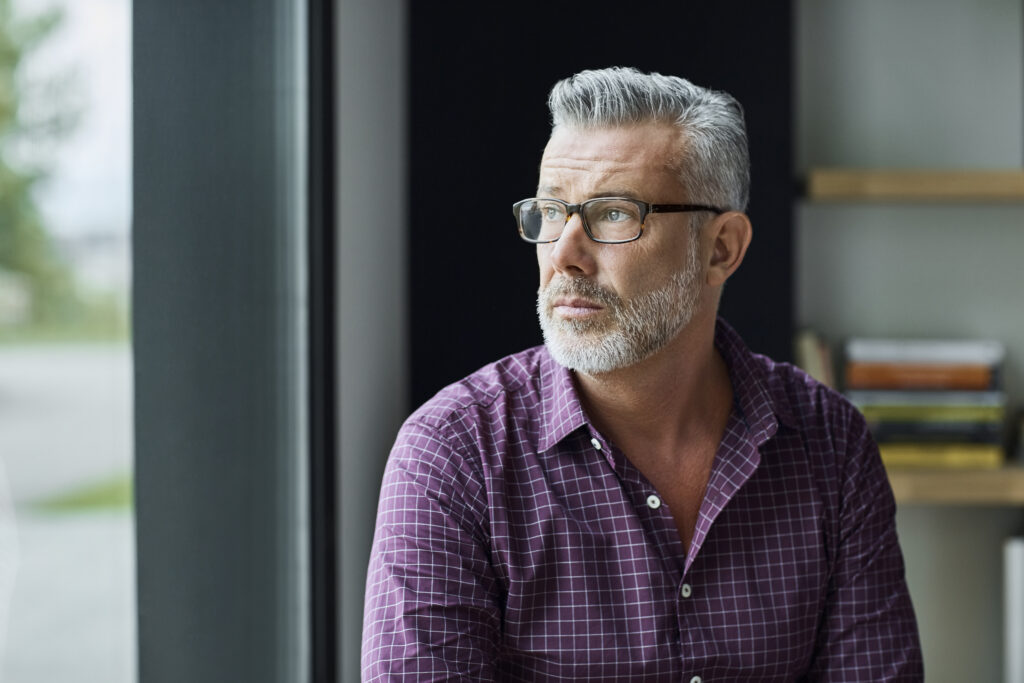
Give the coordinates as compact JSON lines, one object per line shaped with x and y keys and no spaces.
{"x":914,"y":83}
{"x":372,"y":266}
{"x":920,"y":84}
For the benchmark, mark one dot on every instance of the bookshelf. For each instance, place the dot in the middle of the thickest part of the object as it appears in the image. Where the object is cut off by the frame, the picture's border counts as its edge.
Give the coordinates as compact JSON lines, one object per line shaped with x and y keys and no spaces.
{"x":909,"y":140}
{"x":936,"y":268}
{"x":997,"y":487}
{"x":938,"y":185}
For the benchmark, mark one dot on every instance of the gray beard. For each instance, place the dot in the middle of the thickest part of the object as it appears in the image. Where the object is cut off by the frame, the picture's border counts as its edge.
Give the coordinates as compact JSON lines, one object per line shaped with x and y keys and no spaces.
{"x":639,"y":326}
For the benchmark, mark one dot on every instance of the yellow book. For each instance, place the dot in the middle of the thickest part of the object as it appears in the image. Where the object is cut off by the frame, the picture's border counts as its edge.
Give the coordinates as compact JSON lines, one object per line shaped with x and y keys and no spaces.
{"x":934,"y":413}
{"x":943,"y":455}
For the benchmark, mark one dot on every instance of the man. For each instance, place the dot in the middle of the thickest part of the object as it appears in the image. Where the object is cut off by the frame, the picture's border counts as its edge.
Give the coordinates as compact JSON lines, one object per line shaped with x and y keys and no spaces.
{"x":642,"y":498}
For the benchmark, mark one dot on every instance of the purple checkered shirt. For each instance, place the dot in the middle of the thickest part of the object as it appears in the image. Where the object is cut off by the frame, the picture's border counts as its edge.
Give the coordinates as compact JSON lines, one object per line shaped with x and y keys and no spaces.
{"x":515,"y":543}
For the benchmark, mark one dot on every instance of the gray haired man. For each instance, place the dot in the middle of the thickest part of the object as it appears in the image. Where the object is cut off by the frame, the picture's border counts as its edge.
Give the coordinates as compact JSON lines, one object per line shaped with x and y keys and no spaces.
{"x":641,"y":498}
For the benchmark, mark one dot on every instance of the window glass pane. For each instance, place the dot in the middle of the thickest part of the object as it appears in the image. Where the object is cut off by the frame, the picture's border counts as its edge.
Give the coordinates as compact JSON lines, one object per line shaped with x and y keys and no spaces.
{"x":67,"y":574}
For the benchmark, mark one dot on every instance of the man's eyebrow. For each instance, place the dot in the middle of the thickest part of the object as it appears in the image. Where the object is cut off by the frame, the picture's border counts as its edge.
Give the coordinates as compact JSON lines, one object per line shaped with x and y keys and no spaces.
{"x":615,"y":193}
{"x":555,"y":191}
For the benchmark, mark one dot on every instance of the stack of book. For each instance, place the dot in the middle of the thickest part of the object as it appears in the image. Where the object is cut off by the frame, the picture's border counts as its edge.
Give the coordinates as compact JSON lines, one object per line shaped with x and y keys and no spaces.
{"x":930,"y":403}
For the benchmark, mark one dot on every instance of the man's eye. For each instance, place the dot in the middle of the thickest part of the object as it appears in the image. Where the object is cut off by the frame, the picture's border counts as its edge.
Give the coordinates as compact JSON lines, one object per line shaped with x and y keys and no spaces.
{"x":618,"y":214}
{"x":551,"y":213}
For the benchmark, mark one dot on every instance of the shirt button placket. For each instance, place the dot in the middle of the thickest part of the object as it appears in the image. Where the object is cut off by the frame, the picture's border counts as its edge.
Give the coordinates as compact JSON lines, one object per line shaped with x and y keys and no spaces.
{"x":686,"y":590}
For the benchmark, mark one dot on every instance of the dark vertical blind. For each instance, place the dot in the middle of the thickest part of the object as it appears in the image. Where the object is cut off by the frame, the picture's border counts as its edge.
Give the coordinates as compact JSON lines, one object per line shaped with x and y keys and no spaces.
{"x":321,"y":248}
{"x":479,"y":81}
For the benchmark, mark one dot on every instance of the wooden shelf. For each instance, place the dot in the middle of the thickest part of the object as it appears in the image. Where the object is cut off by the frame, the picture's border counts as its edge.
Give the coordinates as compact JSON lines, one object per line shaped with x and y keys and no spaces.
{"x":845,"y":184}
{"x":1003,"y":486}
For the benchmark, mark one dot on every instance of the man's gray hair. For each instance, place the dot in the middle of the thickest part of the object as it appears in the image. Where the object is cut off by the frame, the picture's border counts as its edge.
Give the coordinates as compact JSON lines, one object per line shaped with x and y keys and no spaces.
{"x":715,"y":163}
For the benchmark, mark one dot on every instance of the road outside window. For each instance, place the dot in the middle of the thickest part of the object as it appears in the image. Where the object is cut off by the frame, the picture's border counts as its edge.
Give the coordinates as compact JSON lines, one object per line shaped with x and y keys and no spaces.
{"x":67,"y":576}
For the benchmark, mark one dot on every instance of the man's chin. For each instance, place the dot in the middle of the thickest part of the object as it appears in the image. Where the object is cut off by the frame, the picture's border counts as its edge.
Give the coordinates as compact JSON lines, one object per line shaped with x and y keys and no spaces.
{"x":588,"y":356}
{"x":572,"y":340}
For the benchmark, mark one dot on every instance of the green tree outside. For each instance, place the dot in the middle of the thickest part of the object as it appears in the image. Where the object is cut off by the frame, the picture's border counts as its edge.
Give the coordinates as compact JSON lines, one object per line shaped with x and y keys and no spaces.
{"x":38,"y":296}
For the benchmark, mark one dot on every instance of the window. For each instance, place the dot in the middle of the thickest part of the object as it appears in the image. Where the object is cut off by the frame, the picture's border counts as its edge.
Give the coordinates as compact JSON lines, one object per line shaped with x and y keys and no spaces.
{"x":67,"y":606}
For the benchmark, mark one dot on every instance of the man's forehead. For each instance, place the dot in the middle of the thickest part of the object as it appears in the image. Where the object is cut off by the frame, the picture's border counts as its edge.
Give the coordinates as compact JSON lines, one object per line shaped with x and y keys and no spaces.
{"x":619,"y":160}
{"x":603,"y":141}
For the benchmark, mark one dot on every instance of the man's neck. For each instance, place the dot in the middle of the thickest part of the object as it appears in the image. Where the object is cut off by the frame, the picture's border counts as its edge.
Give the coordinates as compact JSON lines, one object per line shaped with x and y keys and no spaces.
{"x":679,"y":395}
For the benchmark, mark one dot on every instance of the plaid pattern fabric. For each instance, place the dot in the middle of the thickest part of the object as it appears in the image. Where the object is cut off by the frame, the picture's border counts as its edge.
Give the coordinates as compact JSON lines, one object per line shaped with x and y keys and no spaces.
{"x":515,"y":543}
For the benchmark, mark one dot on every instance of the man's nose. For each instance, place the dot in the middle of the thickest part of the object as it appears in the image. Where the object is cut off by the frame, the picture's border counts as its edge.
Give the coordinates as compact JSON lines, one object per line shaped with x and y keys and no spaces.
{"x":572,"y":251}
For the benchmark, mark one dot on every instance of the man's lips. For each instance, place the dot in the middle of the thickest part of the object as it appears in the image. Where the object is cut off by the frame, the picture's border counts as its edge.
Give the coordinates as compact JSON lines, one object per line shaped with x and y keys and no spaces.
{"x":574,"y":307}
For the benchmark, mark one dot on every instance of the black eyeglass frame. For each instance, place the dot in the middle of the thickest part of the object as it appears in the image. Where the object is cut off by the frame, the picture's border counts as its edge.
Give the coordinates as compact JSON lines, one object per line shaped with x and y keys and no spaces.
{"x":644,"y":207}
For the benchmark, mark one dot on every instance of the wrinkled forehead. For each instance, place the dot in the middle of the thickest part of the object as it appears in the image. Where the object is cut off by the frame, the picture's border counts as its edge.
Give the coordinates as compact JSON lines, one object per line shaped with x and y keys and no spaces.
{"x":598,"y":159}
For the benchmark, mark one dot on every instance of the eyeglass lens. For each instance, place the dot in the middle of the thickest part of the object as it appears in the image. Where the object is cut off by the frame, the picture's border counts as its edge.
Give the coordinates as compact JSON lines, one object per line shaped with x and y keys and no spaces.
{"x":612,"y":220}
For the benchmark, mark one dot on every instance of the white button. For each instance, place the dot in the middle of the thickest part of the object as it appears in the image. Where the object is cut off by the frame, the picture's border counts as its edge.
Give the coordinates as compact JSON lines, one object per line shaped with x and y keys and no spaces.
{"x":686,"y":591}
{"x":653,"y":502}
{"x":597,"y":444}
{"x":696,"y":679}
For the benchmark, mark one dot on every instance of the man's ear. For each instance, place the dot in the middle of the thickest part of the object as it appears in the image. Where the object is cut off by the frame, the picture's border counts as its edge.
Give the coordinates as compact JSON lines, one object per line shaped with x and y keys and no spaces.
{"x":730,"y":234}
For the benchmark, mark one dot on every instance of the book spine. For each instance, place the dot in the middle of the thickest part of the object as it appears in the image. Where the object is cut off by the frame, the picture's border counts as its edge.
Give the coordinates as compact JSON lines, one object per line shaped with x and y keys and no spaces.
{"x":978,"y":352}
{"x":1013,"y":614}
{"x":887,"y":398}
{"x":812,"y":355}
{"x":864,"y":375}
{"x":949,"y":455}
{"x":987,"y":414}
{"x":938,"y":431}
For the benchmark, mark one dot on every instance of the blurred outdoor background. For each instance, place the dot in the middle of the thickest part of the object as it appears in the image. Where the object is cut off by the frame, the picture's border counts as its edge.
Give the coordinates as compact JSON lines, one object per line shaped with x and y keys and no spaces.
{"x":67,"y":593}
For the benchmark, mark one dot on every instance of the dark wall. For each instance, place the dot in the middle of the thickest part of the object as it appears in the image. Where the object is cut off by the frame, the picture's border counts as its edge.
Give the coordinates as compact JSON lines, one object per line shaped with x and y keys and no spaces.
{"x":479,"y":78}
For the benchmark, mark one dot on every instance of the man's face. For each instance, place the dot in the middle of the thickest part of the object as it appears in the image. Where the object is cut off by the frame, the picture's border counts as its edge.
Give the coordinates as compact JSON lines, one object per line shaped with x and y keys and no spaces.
{"x":603,"y":307}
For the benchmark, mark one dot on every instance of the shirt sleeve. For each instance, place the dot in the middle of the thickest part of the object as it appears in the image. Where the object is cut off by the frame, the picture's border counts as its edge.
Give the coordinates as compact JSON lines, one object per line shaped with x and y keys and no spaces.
{"x":432,"y":609}
{"x":868,"y":630}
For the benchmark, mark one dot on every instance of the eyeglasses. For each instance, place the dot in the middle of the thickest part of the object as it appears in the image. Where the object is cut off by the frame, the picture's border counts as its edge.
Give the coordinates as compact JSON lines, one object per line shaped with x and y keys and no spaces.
{"x":608,"y":220}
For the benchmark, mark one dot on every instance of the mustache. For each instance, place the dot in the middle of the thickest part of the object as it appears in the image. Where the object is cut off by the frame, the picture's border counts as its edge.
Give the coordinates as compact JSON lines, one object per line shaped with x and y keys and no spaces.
{"x":579,"y":287}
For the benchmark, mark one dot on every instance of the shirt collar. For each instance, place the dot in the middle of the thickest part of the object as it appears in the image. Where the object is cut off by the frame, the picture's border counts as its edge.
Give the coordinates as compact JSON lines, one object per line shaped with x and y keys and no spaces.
{"x":762,"y":411}
{"x":562,"y":411}
{"x":762,"y":408}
